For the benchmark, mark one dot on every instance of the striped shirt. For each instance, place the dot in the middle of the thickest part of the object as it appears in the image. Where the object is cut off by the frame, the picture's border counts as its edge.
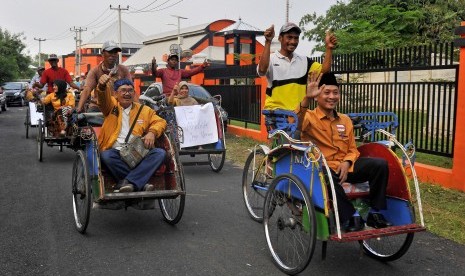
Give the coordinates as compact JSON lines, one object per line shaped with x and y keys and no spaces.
{"x":287,"y":80}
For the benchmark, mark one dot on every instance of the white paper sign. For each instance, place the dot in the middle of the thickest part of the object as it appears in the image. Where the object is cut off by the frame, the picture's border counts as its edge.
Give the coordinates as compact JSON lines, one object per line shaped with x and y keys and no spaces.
{"x":198,"y":124}
{"x":35,"y":116}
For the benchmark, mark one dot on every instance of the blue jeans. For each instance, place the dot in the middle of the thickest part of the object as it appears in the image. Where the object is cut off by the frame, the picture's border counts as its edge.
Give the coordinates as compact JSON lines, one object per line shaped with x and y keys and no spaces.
{"x":140,"y":175}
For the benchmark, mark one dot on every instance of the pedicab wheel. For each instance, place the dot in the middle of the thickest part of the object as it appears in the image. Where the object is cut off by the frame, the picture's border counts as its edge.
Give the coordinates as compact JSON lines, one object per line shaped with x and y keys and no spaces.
{"x":254,"y":189}
{"x":40,"y":140}
{"x":216,"y":160}
{"x":388,"y":248}
{"x":173,"y":208}
{"x":82,"y":192}
{"x":27,"y":122}
{"x":290,"y":224}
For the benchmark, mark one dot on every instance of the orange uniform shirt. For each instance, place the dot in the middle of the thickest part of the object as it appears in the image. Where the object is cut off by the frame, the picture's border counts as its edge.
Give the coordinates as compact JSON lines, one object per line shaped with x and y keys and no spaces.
{"x":335,"y":137}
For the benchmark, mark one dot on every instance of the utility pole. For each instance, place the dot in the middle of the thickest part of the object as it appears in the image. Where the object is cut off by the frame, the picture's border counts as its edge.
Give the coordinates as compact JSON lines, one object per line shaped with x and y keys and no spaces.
{"x":179,"y":38}
{"x":77,"y":53}
{"x":119,"y":29}
{"x":287,"y":11}
{"x":40,"y":51}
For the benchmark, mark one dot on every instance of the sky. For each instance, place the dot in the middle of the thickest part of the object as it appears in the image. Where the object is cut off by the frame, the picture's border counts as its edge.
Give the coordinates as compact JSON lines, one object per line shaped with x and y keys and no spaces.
{"x":53,"y":19}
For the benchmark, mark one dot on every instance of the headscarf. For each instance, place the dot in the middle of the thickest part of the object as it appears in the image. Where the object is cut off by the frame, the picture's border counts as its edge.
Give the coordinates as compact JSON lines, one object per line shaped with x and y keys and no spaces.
{"x":61,"y":93}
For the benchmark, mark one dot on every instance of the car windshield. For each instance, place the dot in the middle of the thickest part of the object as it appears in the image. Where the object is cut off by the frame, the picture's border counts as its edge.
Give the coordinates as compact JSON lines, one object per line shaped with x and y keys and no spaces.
{"x":12,"y":85}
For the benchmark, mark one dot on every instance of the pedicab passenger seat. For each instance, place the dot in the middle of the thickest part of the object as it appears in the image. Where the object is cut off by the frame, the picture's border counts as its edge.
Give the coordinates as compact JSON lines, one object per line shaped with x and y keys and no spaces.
{"x":94,"y":119}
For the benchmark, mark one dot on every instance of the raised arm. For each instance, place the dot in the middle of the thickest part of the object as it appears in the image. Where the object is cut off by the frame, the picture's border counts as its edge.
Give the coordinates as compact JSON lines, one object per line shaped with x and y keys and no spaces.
{"x":265,"y":59}
{"x":331,"y":42}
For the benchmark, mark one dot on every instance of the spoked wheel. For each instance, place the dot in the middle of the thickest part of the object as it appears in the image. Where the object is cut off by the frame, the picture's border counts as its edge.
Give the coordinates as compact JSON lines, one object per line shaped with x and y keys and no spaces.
{"x":290,"y":224}
{"x":255,"y":183}
{"x":40,"y":140}
{"x":173,"y":208}
{"x":27,"y":122}
{"x":388,"y":248}
{"x":82,"y":193}
{"x":216,"y":160}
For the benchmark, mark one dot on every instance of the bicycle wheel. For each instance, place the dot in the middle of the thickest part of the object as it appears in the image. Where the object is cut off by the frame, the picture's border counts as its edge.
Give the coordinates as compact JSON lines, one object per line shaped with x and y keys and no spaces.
{"x":216,"y":160}
{"x":173,"y":208}
{"x":255,"y":183}
{"x":27,"y":122}
{"x":290,"y":224}
{"x":82,"y":193}
{"x":388,"y":248}
{"x":40,"y":140}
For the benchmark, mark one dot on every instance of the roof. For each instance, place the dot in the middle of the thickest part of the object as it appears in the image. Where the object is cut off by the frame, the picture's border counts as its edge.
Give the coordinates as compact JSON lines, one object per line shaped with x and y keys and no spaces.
{"x":157,"y":50}
{"x":187,"y":31}
{"x":240,"y":27}
{"x":131,"y":38}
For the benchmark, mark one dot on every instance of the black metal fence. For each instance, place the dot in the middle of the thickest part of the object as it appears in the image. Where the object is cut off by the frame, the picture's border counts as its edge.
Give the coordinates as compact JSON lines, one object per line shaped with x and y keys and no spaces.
{"x":242,"y":102}
{"x":426,"y":110}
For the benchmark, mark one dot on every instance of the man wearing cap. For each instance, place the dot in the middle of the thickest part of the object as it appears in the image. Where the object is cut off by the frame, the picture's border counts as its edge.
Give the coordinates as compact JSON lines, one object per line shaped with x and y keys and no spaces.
{"x":285,"y":70}
{"x":54,"y":73}
{"x":108,"y":66}
{"x":120,"y":112}
{"x":36,"y":78}
{"x":171,"y":75}
{"x":333,"y":133}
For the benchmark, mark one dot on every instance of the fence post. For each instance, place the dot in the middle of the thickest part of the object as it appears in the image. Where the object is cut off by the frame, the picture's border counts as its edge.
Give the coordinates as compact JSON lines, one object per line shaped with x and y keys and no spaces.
{"x":458,"y":164}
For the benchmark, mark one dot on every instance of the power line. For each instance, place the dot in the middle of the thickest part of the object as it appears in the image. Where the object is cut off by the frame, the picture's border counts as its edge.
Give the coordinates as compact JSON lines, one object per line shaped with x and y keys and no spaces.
{"x":157,"y":8}
{"x":138,"y":10}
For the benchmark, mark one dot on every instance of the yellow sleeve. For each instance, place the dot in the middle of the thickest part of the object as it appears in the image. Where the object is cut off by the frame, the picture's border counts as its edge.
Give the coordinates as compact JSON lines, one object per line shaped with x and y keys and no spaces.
{"x":48,"y":98}
{"x":316,"y":67}
{"x":104,"y":99}
{"x":157,"y":124}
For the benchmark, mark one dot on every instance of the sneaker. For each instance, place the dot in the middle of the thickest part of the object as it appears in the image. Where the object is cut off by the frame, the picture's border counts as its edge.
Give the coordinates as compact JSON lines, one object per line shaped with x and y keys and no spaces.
{"x":149,"y":187}
{"x":377,"y":220}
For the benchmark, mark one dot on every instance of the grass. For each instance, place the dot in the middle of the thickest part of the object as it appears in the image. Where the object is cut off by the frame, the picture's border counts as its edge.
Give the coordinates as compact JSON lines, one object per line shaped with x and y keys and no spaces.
{"x":443,"y":209}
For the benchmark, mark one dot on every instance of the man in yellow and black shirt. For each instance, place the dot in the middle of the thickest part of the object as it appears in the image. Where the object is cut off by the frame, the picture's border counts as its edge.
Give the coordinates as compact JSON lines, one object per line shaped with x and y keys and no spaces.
{"x":286,"y":71}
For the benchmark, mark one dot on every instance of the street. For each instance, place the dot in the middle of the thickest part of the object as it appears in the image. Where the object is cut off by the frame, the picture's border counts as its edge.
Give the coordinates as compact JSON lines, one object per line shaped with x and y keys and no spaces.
{"x":214,"y":237}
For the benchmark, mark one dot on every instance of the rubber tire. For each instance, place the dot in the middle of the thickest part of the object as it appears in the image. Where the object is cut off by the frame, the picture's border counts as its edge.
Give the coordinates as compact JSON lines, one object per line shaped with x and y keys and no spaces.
{"x":172,"y":209}
{"x":249,"y":191}
{"x":82,"y":200}
{"x":213,"y":158}
{"x":289,"y":222}
{"x":40,"y":140}
{"x":27,"y":122}
{"x":389,"y":241}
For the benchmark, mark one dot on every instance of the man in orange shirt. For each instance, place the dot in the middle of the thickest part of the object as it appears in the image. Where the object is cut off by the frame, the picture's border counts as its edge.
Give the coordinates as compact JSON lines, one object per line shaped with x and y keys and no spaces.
{"x":333,"y":133}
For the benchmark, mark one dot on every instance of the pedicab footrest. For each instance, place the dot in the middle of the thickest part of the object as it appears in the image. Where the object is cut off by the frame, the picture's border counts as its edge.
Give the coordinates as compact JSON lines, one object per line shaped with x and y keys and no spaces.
{"x":371,"y":233}
{"x":139,"y":195}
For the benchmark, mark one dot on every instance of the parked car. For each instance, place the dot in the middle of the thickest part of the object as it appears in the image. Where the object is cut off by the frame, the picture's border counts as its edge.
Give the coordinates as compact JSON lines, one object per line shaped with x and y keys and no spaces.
{"x":3,"y":106}
{"x":15,"y":92}
{"x":199,"y":93}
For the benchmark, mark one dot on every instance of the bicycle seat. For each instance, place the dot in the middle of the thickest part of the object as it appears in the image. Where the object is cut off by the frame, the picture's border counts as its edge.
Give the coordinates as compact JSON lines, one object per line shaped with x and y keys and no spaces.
{"x":279,"y":119}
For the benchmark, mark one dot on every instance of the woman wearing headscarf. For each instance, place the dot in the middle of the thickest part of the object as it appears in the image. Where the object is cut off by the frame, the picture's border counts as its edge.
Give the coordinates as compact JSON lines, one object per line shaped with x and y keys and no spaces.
{"x":62,"y":102}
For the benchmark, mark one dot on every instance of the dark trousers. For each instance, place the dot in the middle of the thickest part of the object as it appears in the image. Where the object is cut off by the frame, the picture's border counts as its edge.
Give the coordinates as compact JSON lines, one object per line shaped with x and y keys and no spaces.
{"x":373,"y":170}
{"x":140,"y":175}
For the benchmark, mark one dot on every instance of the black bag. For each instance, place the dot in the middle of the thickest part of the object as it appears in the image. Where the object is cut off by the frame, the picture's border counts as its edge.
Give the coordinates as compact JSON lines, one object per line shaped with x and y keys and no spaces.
{"x":134,"y":151}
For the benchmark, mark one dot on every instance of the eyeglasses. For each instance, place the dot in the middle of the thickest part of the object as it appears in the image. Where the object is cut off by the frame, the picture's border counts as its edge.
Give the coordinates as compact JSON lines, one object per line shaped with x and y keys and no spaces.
{"x":126,"y":91}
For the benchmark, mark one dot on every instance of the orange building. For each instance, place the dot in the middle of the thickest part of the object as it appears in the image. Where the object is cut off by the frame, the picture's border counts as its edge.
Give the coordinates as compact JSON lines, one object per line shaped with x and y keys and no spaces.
{"x":222,"y":42}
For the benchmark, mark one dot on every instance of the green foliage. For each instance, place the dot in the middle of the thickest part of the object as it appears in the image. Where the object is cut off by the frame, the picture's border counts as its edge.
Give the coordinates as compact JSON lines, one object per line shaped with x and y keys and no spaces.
{"x":366,"y":25}
{"x":13,"y":64}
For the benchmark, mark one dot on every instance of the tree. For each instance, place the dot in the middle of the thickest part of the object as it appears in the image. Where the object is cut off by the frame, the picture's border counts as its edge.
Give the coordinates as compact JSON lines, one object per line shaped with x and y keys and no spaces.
{"x":365,"y":25}
{"x":13,"y":64}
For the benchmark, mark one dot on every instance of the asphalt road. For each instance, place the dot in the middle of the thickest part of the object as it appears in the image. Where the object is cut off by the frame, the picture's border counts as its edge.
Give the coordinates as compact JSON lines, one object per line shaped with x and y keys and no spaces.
{"x":214,"y":237}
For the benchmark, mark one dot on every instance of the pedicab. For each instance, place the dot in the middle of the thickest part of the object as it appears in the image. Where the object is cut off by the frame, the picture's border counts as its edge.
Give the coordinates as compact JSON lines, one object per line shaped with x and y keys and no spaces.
{"x":215,"y":151}
{"x":49,"y":128}
{"x":94,"y":187}
{"x":287,"y":188}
